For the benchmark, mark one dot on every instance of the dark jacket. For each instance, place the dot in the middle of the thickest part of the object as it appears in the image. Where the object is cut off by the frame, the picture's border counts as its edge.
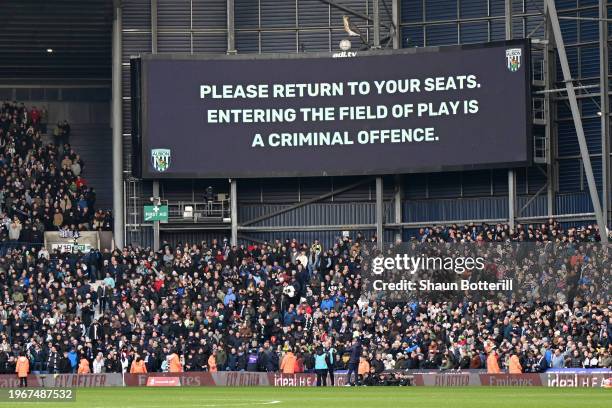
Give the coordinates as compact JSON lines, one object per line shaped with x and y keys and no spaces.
{"x":355,"y":353}
{"x":64,"y":365}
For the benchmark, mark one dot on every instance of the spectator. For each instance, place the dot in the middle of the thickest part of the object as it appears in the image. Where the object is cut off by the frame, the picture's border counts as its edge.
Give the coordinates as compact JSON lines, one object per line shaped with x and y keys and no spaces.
{"x":35,"y":115}
{"x":65,"y":366}
{"x":61,"y":134}
{"x":53,"y":360}
{"x":606,"y":360}
{"x":66,"y":163}
{"x":98,"y":364}
{"x":575,"y":360}
{"x":590,"y":361}
{"x":15,"y":229}
{"x":558,"y":359}
{"x":75,"y":168}
{"x":73,"y":358}
{"x":58,"y":134}
{"x":66,"y":129}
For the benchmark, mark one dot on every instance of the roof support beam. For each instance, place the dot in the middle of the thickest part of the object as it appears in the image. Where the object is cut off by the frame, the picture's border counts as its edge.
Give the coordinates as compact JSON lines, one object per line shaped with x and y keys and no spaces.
{"x":117,"y":124}
{"x":571,"y":94}
{"x":604,"y":92}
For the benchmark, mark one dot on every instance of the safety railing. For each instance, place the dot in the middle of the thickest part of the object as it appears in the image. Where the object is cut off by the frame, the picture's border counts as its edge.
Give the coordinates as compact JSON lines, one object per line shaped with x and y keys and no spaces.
{"x":189,"y":211}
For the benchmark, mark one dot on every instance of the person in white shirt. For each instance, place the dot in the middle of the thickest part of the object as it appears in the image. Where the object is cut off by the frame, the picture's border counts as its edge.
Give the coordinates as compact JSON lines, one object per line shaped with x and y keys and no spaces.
{"x":125,"y":363}
{"x":590,"y":361}
{"x":98,"y":364}
{"x":303,"y":259}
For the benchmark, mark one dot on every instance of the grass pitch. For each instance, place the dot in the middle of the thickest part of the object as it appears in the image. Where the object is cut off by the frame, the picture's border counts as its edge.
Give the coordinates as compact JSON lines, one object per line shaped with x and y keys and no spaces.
{"x":353,"y":397}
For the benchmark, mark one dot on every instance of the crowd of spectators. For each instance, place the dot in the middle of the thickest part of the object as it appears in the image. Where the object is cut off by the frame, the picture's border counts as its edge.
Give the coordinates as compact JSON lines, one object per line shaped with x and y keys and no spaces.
{"x":282,"y":305}
{"x":41,"y":185}
{"x":541,"y":264}
{"x":274,"y":306}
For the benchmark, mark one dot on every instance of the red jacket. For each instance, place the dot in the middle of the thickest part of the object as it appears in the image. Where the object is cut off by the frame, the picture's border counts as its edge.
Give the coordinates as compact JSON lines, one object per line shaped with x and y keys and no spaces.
{"x":158,"y":284}
{"x":80,"y":182}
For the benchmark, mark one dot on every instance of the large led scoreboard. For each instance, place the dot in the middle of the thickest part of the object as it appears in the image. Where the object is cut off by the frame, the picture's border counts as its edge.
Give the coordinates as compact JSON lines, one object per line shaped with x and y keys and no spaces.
{"x":349,"y":113}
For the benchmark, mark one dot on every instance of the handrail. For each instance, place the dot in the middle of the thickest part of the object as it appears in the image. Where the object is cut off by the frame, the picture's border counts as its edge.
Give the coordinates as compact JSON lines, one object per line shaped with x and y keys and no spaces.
{"x":195,"y":211}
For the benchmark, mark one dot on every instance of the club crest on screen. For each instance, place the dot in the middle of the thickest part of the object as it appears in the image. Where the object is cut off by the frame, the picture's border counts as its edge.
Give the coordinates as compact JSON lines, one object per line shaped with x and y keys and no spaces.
{"x":160,"y":159}
{"x":513,"y":57}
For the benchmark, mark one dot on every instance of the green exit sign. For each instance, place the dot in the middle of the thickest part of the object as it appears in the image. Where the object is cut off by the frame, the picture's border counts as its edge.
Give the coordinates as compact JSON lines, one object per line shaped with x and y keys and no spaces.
{"x":156,"y":213}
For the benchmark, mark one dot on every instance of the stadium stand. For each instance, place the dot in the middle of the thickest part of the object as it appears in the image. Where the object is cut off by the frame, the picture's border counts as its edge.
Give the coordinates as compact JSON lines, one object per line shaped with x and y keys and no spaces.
{"x":276,"y":307}
{"x":42,"y":185}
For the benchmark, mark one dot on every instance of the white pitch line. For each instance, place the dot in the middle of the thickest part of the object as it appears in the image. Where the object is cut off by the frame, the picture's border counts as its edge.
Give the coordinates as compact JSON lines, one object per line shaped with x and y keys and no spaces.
{"x":222,"y":403}
{"x":241,"y":404}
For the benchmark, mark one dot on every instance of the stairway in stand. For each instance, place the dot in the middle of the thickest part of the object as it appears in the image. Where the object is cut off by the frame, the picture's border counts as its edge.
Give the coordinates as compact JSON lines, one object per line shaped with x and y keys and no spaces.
{"x":93,"y":142}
